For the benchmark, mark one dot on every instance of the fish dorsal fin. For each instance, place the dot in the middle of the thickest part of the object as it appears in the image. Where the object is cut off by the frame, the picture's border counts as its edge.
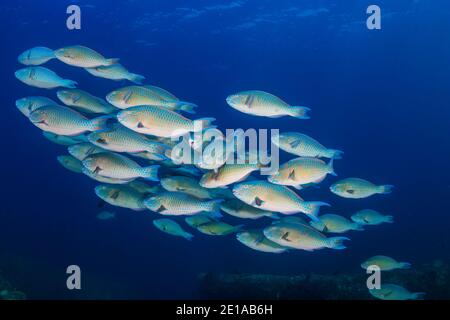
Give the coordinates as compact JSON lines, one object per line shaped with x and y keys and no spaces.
{"x":115,"y":194}
{"x":292,"y":175}
{"x":285,"y":237}
{"x":258,"y":201}
{"x":161,"y":209}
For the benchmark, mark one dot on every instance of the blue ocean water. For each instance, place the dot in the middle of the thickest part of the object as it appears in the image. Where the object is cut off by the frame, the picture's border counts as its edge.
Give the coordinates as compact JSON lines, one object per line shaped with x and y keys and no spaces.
{"x":380,"y":95}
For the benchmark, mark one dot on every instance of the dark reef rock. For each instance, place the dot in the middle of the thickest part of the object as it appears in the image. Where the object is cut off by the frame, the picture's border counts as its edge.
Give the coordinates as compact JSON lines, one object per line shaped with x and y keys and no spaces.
{"x":434,"y":279}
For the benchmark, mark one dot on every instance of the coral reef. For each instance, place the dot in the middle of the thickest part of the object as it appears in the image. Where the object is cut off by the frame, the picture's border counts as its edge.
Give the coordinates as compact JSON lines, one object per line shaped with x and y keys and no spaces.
{"x":8,"y":292}
{"x":433,"y":279}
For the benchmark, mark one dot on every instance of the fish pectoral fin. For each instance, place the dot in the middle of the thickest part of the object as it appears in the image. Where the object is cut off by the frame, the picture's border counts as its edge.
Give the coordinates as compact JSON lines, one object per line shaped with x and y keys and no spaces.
{"x":325,"y":229}
{"x":350,"y":191}
{"x":249,"y":101}
{"x":258,"y":201}
{"x":140,"y":125}
{"x":285,"y":237}
{"x":366,"y":220}
{"x":292,"y":175}
{"x":97,"y":170}
{"x":115,"y":194}
{"x":161,"y":209}
{"x":127,"y":96}
{"x":101,"y":141}
{"x":295,"y":143}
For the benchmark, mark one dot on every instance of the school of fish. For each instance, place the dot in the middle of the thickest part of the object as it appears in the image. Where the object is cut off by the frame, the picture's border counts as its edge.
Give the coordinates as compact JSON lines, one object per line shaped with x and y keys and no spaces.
{"x":124,"y":141}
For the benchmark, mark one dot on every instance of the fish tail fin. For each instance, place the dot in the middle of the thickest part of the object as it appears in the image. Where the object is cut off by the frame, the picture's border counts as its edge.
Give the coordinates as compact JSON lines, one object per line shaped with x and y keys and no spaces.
{"x":136,"y":78}
{"x":300,"y":112}
{"x":70,"y":84}
{"x":213,"y":206}
{"x":187,"y":107}
{"x":335,"y":154}
{"x":417,"y":295}
{"x":314,"y":207}
{"x":404,"y":265}
{"x":110,"y":62}
{"x":330,"y":167}
{"x":205,"y":124}
{"x":100,"y":123}
{"x":150,"y":173}
{"x":188,"y":236}
{"x":337,"y":243}
{"x":389,"y":219}
{"x":386,"y":189}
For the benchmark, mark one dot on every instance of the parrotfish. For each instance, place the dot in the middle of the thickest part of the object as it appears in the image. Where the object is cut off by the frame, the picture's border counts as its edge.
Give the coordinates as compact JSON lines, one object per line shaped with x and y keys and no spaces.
{"x":43,"y":78}
{"x":79,"y":56}
{"x":371,"y":217}
{"x":385,"y":263}
{"x":171,"y":227}
{"x":65,"y":121}
{"x":114,"y":165}
{"x":260,"y":103}
{"x":178,"y":203}
{"x":115,"y":72}
{"x":356,"y":188}
{"x":121,"y":196}
{"x":133,"y":96}
{"x":29,"y":104}
{"x":304,"y":146}
{"x":256,"y":240}
{"x":160,"y":122}
{"x":300,"y":236}
{"x":84,"y":101}
{"x":272,"y":197}
{"x":302,"y":171}
{"x":36,"y":56}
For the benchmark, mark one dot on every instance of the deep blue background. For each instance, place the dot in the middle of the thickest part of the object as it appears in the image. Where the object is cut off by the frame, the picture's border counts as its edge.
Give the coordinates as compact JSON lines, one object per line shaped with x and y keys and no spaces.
{"x":381,"y":96}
